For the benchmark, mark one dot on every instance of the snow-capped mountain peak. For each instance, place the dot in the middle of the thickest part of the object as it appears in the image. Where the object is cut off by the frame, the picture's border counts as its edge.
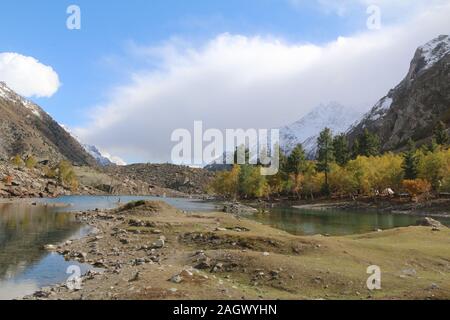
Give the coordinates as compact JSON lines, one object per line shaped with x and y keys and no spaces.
{"x":333,"y":115}
{"x":435,"y":50}
{"x":102,"y":158}
{"x":10,"y":95}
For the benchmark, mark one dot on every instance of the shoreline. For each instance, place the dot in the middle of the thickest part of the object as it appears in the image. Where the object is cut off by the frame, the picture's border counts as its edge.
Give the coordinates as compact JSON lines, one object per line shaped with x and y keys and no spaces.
{"x":154,"y":251}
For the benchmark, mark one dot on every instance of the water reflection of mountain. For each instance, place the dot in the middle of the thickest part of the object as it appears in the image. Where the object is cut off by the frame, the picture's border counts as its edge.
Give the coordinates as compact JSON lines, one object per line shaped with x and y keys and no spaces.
{"x":25,"y":230}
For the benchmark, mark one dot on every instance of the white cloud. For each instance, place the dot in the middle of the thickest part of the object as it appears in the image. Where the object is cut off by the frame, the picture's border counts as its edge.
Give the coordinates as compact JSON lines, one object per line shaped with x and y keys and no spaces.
{"x":27,"y":76}
{"x":236,"y":81}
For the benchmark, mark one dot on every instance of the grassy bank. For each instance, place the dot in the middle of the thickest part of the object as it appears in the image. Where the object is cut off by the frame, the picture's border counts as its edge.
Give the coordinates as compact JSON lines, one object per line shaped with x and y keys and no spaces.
{"x":144,"y":248}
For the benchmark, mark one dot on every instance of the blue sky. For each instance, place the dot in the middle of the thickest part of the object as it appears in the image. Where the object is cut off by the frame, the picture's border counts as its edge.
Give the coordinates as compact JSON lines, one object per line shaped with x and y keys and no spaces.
{"x":139,"y":69}
{"x":82,"y":58}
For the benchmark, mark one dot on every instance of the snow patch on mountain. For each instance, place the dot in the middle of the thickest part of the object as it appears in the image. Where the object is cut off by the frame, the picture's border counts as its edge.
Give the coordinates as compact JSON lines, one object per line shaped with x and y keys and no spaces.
{"x":8,"y":94}
{"x":103,"y":158}
{"x":435,"y":50}
{"x":306,"y":131}
{"x":380,"y":109}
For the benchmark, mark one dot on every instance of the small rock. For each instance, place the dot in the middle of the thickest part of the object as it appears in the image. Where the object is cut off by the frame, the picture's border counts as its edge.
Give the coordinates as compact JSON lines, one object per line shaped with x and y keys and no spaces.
{"x":429,"y":222}
{"x":176,"y":279}
{"x":158,"y":244}
{"x":135,"y":277}
{"x":409,"y":272}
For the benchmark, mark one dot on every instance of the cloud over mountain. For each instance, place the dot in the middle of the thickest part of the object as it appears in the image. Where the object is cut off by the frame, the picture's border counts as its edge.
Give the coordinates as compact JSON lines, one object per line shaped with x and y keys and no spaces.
{"x":27,"y":76}
{"x":239,"y":81}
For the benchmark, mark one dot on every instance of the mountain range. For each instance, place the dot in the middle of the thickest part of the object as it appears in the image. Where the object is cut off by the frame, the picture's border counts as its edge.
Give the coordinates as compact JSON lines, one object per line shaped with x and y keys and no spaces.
{"x":306,"y":131}
{"x":26,"y":129}
{"x":409,"y":111}
{"x":412,"y":109}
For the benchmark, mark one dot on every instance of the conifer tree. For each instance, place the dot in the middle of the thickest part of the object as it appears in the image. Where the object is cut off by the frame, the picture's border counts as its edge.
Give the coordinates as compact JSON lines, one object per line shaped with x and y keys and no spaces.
{"x":440,"y":134}
{"x":341,"y":150}
{"x":325,"y":155}
{"x":369,"y":144}
{"x":295,"y":163}
{"x":410,"y":161}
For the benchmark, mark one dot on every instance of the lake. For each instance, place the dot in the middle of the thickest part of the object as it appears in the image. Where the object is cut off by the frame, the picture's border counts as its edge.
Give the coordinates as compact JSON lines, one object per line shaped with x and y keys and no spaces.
{"x":25,"y":229}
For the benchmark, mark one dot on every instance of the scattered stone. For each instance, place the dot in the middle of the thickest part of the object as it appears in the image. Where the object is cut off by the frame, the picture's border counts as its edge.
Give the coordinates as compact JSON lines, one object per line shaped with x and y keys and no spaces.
{"x":159,"y":244}
{"x":409,"y":272}
{"x":176,"y":279}
{"x":218,"y":267}
{"x":135,"y":277}
{"x":434,"y":286}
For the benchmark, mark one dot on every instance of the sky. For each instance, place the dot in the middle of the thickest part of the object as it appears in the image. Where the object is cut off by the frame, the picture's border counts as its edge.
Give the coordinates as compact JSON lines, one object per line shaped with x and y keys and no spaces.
{"x":138,"y":69}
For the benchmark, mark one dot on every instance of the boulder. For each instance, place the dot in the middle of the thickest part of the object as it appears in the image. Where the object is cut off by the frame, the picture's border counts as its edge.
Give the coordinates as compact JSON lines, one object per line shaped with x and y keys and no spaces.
{"x":429,"y":222}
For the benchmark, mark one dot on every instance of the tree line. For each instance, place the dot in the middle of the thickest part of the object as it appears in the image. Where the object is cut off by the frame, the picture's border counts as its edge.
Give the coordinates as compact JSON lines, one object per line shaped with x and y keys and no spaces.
{"x":344,"y":170}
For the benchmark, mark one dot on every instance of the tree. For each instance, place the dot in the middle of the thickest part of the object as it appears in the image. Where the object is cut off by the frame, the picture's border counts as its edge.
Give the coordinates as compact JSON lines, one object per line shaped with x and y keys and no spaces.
{"x":440,"y":134}
{"x":435,"y":167}
{"x":369,"y":144}
{"x":341,"y":149}
{"x":417,"y":188}
{"x":30,"y":162}
{"x":325,"y":155}
{"x":410,"y":161}
{"x":17,"y":161}
{"x":226,"y":183}
{"x":356,"y":149}
{"x":295,"y":163}
{"x":67,"y":175}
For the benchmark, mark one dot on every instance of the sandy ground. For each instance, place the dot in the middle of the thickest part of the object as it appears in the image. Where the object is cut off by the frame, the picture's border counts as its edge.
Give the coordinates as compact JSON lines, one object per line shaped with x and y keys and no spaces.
{"x":153,"y":251}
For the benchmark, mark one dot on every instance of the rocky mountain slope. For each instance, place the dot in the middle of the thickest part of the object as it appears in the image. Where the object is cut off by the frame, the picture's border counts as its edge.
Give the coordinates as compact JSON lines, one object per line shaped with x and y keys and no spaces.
{"x":26,"y":129}
{"x":412,"y":109}
{"x":180,"y":178}
{"x":306,"y":131}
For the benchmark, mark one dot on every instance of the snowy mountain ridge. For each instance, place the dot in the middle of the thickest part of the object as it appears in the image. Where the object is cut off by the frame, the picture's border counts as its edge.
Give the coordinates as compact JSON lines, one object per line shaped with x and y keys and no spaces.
{"x":333,"y":115}
{"x":102,"y":158}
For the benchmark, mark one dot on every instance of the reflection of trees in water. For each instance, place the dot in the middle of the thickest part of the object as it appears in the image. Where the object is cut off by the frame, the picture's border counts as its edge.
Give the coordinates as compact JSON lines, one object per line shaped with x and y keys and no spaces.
{"x":25,"y":230}
{"x":333,"y":222}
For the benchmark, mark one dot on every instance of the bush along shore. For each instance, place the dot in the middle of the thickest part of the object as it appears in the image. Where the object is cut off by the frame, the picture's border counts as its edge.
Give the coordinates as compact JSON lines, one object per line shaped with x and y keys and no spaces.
{"x":149,"y":250}
{"x":25,"y":177}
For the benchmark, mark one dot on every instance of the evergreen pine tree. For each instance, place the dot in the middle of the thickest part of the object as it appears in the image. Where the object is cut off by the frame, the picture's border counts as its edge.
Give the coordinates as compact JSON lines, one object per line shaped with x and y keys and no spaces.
{"x":325,"y":155}
{"x":440,"y":134}
{"x":341,"y":149}
{"x":295,"y":163}
{"x":356,"y":149}
{"x":410,"y":161}
{"x":369,"y":144}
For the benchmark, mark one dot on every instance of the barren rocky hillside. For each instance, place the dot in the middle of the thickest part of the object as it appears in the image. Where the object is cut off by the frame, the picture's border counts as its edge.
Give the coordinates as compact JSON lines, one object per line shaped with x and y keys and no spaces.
{"x":413,"y":108}
{"x":183,"y":179}
{"x":26,"y":129}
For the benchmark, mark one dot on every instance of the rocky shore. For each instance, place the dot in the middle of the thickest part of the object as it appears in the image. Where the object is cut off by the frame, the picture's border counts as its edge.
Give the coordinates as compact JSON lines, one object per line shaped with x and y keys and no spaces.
{"x":149,"y":250}
{"x":33,"y":183}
